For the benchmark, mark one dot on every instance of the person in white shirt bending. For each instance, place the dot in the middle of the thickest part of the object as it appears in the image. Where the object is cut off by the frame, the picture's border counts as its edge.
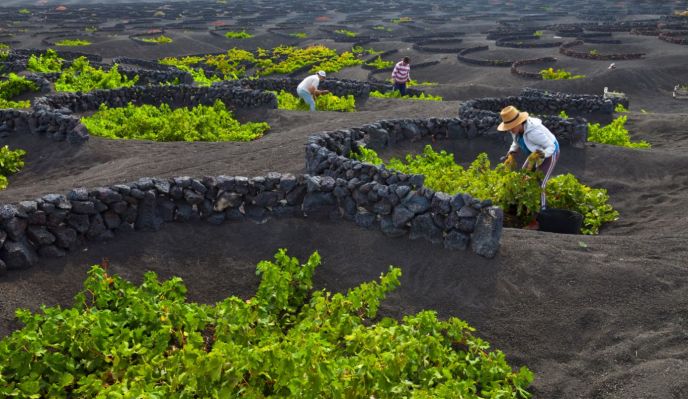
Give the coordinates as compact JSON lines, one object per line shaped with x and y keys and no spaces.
{"x":534,"y":140}
{"x":308,"y":88}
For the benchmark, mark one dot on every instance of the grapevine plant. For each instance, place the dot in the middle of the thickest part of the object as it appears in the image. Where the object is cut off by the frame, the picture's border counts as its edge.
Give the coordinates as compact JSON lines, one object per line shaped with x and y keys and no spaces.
{"x":614,"y":133}
{"x":82,"y":77}
{"x":397,"y":94}
{"x":379,"y":63}
{"x":517,"y":192}
{"x":238,"y":35}
{"x":148,"y":122}
{"x":325,"y":102}
{"x":11,"y":162}
{"x":162,"y":39}
{"x":47,"y":62}
{"x":73,"y":43}
{"x":12,"y":86}
{"x":287,"y":341}
{"x":558,"y":74}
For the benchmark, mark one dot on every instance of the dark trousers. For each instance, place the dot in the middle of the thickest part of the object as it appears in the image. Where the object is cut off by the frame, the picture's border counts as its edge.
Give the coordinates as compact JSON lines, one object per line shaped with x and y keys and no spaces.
{"x":401,"y":87}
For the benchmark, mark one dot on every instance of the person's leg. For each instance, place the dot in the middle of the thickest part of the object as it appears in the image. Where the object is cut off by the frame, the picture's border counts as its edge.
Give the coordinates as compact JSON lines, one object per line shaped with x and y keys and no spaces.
{"x":308,"y":98}
{"x":396,"y":87}
{"x":547,"y":167}
{"x":402,"y":89}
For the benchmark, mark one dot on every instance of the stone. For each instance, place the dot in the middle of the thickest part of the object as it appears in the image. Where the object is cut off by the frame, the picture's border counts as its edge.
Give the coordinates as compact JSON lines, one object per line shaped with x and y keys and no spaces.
{"x":423,"y":227}
{"x":147,"y":219}
{"x":455,"y":131}
{"x":18,"y":254}
{"x":96,"y":227}
{"x":383,"y":207}
{"x":166,"y":209}
{"x":8,"y":211}
{"x":80,"y":223}
{"x":227,"y":200}
{"x":65,"y":237}
{"x":78,"y":194}
{"x":27,"y":207}
{"x":388,"y":228}
{"x":417,"y":180}
{"x":257,"y":214}
{"x":15,"y":227}
{"x":3,"y":268}
{"x":441,"y":203}
{"x":365,"y":219}
{"x":287,"y":182}
{"x":184,"y":212}
{"x":216,"y":218}
{"x":40,"y":235}
{"x":485,"y":239}
{"x":83,"y":207}
{"x":266,"y":199}
{"x":296,"y":195}
{"x":416,"y":203}
{"x":401,"y":215}
{"x":192,"y":197}
{"x":318,"y":204}
{"x":234,"y":214}
{"x":112,"y":220}
{"x":468,"y":212}
{"x":456,"y":240}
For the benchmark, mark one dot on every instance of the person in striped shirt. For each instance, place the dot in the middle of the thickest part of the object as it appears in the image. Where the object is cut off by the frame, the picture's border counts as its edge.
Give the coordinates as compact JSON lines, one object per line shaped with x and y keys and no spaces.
{"x":401,"y":75}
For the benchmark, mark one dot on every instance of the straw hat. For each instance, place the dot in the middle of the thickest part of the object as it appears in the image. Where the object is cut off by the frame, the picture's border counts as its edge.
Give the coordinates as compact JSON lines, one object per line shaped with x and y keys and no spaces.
{"x":511,"y":118}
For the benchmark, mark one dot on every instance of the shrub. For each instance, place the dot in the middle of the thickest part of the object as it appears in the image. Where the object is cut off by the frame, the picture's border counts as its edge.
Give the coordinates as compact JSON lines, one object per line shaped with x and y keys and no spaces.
{"x":299,"y":35}
{"x":148,"y":122}
{"x":287,"y":341}
{"x":402,"y":20}
{"x":517,"y":192}
{"x":162,"y":39}
{"x":24,"y":11}
{"x":325,"y":102}
{"x":361,"y":50}
{"x":91,"y":29}
{"x":397,"y":94}
{"x":559,"y":74}
{"x":73,"y":42}
{"x":379,"y":63}
{"x":82,"y":77}
{"x":538,"y":33}
{"x":13,"y":86}
{"x":382,"y":28}
{"x":238,"y":35}
{"x":11,"y":162}
{"x":563,"y":114}
{"x":4,"y":51}
{"x":185,"y":64}
{"x":620,"y":109}
{"x":615,"y":134}
{"x":346,"y":33}
{"x":47,"y":62}
{"x":594,"y":52}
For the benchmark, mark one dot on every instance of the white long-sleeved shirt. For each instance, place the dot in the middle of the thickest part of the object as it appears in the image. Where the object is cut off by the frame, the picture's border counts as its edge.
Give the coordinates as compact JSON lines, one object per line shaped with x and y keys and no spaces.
{"x":308,"y":82}
{"x":537,"y":137}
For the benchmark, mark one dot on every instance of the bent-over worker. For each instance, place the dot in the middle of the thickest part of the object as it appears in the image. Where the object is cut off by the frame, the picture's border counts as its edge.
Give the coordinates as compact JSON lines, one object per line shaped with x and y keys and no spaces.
{"x":308,"y":89}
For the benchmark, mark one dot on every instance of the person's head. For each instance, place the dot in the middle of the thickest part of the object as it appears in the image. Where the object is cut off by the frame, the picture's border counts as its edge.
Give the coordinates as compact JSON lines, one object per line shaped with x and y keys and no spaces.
{"x":406,"y":60}
{"x":321,"y":75}
{"x":512,"y":120}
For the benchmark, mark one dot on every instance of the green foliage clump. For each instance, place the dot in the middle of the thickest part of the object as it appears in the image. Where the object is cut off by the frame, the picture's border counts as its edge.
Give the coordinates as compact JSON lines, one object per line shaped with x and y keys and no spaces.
{"x":13,"y":86}
{"x":148,"y":122}
{"x":324,"y":102}
{"x":47,"y":62}
{"x":24,"y":11}
{"x":162,"y":39}
{"x":563,"y":114}
{"x":4,"y":51}
{"x":287,"y":341}
{"x":91,"y":29}
{"x":73,"y":42}
{"x":382,"y":28}
{"x":299,"y":35}
{"x":379,"y":63}
{"x":620,"y":109}
{"x":538,"y":33}
{"x":614,"y":133}
{"x":397,"y":94}
{"x":186,"y":64}
{"x":594,"y":52}
{"x":346,"y":33}
{"x":558,"y":74}
{"x":402,"y":20}
{"x":362,"y":50}
{"x":82,"y":77}
{"x":517,"y":192}
{"x":11,"y":162}
{"x":238,"y":35}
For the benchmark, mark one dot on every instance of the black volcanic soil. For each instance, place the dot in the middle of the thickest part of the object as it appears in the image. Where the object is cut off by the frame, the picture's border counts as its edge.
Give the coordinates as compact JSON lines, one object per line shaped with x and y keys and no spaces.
{"x":593,"y":316}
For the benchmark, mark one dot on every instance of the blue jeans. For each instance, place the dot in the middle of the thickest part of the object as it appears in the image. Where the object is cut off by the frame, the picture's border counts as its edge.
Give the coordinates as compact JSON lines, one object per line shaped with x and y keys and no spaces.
{"x":307,"y":97}
{"x":401,"y":87}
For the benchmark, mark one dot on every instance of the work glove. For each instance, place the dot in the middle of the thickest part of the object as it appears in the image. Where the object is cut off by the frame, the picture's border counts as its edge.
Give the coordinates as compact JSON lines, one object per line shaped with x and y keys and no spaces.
{"x":535,"y":159}
{"x":510,"y":161}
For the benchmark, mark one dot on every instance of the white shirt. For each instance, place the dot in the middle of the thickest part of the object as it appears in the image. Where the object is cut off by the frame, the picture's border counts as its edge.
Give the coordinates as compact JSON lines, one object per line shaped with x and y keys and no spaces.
{"x":306,"y":84}
{"x":537,"y":137}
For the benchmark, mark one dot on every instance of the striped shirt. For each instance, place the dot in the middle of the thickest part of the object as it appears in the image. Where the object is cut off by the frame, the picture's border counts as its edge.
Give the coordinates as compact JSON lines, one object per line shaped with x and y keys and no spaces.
{"x":401,"y":72}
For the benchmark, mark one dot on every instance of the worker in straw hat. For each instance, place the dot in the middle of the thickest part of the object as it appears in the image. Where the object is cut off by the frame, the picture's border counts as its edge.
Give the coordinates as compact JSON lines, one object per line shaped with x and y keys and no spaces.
{"x":534,"y":140}
{"x":308,"y":89}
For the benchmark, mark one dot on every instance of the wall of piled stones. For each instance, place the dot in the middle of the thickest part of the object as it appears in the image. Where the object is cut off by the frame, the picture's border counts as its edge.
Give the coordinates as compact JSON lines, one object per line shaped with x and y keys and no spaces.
{"x":567,"y":49}
{"x":673,"y":37}
{"x":462,"y":56}
{"x":546,"y":105}
{"x":530,"y":75}
{"x":525,"y":42}
{"x":52,"y":115}
{"x":399,"y":204}
{"x":360,"y":90}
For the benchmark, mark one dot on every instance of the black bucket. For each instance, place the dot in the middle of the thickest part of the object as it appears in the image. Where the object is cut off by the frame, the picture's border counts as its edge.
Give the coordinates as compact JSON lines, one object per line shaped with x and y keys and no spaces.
{"x":560,"y":221}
